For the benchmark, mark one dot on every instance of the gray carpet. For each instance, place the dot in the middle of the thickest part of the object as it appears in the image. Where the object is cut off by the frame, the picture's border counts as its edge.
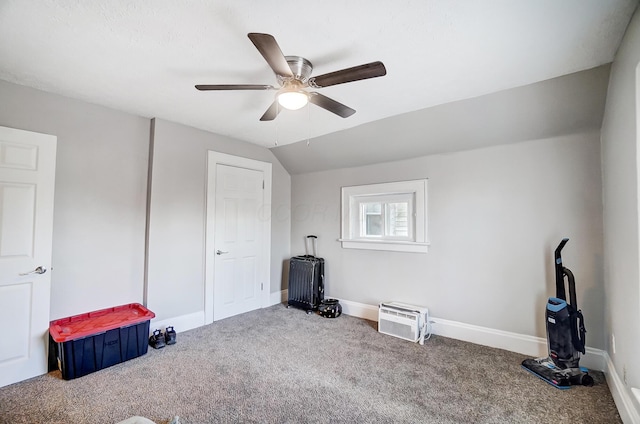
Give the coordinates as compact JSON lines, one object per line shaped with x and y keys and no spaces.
{"x":279,"y":365}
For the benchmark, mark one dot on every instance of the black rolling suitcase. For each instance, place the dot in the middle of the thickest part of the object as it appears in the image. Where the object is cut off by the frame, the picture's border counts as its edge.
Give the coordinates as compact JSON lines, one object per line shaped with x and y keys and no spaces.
{"x":306,"y":280}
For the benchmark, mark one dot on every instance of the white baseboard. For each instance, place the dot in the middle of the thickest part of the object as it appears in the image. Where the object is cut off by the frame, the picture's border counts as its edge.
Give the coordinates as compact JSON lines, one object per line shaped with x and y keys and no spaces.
{"x":595,"y":359}
{"x":181,"y":323}
{"x":359,"y":310}
{"x":355,"y":309}
{"x":197,"y":319}
{"x":279,"y":297}
{"x":622,"y":396}
{"x":527,"y":345}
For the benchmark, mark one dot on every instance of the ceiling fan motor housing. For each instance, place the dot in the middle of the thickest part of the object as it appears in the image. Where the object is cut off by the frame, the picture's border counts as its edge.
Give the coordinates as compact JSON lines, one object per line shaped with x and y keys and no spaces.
{"x":300,"y":67}
{"x":293,"y":74}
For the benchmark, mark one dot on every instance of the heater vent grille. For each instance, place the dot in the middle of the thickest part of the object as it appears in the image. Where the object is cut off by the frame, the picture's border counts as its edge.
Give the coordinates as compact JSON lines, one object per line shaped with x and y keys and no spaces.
{"x":402,"y":320}
{"x":412,"y":316}
{"x":397,"y":329}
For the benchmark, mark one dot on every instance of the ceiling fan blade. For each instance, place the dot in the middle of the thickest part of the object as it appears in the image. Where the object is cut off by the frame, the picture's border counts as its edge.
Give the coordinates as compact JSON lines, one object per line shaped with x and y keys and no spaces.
{"x":272,"y":112}
{"x":331,"y":105}
{"x":366,"y":71}
{"x":204,"y":87}
{"x":269,"y":49}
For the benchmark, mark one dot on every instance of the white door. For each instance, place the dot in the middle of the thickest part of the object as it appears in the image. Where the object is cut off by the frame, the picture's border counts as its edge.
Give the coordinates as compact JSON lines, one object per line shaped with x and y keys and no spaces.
{"x":237,"y":241}
{"x":27,"y":172}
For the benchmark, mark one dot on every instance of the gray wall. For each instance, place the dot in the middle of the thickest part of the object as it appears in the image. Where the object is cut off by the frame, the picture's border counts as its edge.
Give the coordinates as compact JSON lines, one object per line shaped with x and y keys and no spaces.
{"x":620,"y":184}
{"x":495,"y":216}
{"x":100,"y":197}
{"x":559,"y":106}
{"x":101,"y":203}
{"x":177,"y":215}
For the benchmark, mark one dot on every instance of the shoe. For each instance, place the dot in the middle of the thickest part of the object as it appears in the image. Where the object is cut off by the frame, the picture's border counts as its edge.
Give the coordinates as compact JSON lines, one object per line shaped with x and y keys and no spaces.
{"x":156,"y":340}
{"x":170,"y":335}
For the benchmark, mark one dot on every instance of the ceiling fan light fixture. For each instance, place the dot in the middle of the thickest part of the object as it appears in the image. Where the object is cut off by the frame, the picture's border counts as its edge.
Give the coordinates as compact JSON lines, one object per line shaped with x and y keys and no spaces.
{"x":293,"y":74}
{"x":293,"y":100}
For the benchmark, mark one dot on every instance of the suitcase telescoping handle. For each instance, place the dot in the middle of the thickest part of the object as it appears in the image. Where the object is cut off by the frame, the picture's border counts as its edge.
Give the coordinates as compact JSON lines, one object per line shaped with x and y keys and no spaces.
{"x":314,"y":240}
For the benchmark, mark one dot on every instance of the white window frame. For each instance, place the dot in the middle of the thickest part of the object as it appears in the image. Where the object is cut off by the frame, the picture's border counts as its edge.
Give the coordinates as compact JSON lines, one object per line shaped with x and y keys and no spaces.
{"x":352,"y":234}
{"x":357,"y":219}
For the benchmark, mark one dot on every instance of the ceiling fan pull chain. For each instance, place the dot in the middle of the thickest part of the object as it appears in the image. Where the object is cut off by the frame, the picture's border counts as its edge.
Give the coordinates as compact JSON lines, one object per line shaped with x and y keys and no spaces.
{"x":278,"y":110}
{"x":308,"y":123}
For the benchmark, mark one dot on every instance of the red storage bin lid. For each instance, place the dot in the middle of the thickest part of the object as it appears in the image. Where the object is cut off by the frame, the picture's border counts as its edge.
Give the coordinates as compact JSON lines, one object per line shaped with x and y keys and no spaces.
{"x":79,"y":326}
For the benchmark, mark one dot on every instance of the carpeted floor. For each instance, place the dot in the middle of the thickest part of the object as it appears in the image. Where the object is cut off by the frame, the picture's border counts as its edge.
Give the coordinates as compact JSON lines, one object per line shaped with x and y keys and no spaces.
{"x":279,"y":365}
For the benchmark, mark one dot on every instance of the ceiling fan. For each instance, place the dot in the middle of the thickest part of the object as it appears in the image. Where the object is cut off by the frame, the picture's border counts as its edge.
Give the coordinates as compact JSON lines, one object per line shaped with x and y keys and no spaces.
{"x":293,"y":74}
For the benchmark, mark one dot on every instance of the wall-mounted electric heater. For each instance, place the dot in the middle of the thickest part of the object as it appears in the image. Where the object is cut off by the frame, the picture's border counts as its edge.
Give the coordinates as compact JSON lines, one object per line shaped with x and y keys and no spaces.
{"x":405,"y":321}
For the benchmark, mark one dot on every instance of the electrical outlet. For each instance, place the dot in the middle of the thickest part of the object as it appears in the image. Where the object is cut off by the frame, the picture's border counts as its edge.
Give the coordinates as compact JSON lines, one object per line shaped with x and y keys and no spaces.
{"x":613,"y":343}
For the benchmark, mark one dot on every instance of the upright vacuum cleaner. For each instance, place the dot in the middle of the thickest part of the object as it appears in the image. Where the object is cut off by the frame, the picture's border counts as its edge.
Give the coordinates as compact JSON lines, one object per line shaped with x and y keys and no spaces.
{"x":565,"y":335}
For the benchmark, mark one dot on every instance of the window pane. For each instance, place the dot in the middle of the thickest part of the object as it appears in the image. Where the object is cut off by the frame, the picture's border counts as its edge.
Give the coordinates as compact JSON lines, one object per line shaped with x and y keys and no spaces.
{"x":374,"y":208}
{"x":373,"y":222}
{"x":374,"y":225}
{"x":387,"y":216}
{"x":398,"y":215}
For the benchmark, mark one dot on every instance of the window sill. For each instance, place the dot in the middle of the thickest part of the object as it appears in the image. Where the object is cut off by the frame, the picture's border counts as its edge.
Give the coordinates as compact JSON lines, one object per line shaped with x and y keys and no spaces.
{"x":387,"y":245}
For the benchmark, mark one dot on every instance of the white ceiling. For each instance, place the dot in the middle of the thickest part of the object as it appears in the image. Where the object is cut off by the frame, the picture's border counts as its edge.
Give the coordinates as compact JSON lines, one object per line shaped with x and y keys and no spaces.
{"x":145,"y":56}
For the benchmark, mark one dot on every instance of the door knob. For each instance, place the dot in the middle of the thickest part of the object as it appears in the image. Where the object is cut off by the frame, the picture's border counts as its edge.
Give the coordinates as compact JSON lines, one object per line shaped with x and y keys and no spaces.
{"x":220,"y":252}
{"x":39,"y":270}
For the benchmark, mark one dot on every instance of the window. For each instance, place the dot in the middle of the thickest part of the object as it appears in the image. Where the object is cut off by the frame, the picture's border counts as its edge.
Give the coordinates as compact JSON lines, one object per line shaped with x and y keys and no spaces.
{"x":384,"y":216}
{"x":389,"y":216}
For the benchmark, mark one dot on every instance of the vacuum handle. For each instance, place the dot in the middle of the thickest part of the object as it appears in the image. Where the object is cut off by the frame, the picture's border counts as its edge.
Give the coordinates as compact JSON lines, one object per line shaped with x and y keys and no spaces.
{"x":572,"y":287}
{"x":560,"y":292}
{"x":560,"y":246}
{"x":580,"y":342}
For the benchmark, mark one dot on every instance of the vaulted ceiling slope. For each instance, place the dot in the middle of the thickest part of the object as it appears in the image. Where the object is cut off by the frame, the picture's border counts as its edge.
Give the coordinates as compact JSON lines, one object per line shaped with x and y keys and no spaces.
{"x":145,"y":56}
{"x":569,"y":104}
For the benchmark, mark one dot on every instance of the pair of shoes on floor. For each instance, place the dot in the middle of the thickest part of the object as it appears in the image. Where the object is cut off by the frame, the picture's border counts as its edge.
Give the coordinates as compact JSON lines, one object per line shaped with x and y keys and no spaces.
{"x":159,"y":340}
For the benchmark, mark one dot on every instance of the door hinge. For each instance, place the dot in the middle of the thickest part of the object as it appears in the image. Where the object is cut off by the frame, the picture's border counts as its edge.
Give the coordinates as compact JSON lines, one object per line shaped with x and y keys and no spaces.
{"x":263,"y":184}
{"x":261,"y":286}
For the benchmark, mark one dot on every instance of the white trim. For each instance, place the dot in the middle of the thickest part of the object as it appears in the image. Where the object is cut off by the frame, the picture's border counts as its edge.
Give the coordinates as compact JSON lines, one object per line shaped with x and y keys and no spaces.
{"x":360,"y":310}
{"x":197,"y":319}
{"x":621,"y":395}
{"x":214,"y":159}
{"x":595,"y":359}
{"x":520,"y":343}
{"x":180,"y":324}
{"x":387,"y":245}
{"x":514,"y":342}
{"x":279,"y":297}
{"x":350,"y":216}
